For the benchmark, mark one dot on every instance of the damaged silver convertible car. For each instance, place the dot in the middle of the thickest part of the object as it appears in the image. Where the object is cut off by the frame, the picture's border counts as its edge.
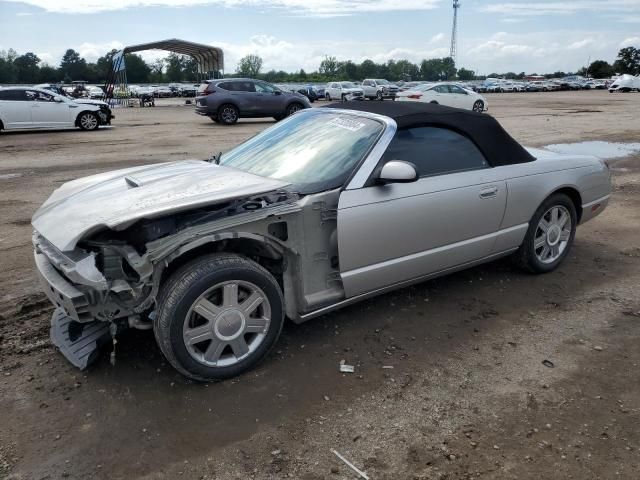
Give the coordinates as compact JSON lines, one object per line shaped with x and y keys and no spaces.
{"x":327,"y":207}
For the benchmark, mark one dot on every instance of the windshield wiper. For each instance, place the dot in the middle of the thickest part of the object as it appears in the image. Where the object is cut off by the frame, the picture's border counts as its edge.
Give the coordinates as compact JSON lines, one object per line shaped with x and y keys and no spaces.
{"x":215,"y":158}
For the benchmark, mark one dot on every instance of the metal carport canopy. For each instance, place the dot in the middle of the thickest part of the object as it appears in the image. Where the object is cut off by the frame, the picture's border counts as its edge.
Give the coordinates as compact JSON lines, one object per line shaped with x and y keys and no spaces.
{"x":209,"y":58}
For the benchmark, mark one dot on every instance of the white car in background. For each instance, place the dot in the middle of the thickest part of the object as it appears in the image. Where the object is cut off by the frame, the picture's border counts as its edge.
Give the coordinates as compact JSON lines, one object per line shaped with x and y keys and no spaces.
{"x":29,"y":107}
{"x":95,"y":92}
{"x":448,"y":94}
{"x":343,"y":91}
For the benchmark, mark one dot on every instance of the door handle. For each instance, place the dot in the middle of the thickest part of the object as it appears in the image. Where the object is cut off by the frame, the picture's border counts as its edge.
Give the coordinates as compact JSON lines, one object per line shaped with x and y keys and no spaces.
{"x":489,"y":192}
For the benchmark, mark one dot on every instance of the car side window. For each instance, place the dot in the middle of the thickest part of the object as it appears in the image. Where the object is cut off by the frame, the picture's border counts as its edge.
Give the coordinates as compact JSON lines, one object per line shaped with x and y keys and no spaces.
{"x":442,"y":88}
{"x":14,"y":95}
{"x":264,"y":88}
{"x":457,"y":89}
{"x":435,"y":151}
{"x":243,"y":87}
{"x":42,"y":97}
{"x":225,"y":85}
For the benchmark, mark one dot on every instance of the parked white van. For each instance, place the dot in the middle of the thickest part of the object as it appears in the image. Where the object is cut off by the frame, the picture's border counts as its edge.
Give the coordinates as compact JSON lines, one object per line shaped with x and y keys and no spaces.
{"x":625,"y":83}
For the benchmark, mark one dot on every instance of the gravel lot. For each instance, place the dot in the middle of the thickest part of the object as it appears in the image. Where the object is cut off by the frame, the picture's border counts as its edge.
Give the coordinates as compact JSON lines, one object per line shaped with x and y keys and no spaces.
{"x":468,"y":395}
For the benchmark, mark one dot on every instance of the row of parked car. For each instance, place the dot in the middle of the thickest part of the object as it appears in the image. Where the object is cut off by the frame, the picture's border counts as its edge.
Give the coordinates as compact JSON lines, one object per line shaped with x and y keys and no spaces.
{"x":225,"y":101}
{"x":164,"y":91}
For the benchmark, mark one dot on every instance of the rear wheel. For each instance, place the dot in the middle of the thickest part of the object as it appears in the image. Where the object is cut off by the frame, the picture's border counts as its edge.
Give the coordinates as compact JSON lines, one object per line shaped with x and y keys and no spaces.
{"x":228,"y":114}
{"x":379,"y":96}
{"x":327,"y":97}
{"x":550,"y":235}
{"x":478,"y":106}
{"x":88,"y":121}
{"x":218,"y":316}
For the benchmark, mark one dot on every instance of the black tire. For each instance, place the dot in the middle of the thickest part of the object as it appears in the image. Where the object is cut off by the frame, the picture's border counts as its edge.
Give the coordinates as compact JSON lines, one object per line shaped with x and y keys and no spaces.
{"x":181,"y":291}
{"x":478,"y":106}
{"x":88,"y":121}
{"x":228,"y":114}
{"x":434,"y":102}
{"x":379,"y":96}
{"x":327,"y":97}
{"x":526,"y":255}
{"x":293,"y":108}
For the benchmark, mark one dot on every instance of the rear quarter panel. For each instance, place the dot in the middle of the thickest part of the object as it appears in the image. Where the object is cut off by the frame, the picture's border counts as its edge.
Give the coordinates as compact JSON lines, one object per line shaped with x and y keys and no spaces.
{"x":529,"y":184}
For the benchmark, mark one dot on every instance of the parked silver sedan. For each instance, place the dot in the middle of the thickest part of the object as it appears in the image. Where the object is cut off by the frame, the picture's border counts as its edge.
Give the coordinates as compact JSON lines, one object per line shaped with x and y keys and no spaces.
{"x":324,"y":209}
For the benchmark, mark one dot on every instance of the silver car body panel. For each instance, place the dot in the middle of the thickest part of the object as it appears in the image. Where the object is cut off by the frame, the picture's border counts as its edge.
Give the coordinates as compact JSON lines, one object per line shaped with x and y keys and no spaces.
{"x":447,"y":220}
{"x":116,"y":199}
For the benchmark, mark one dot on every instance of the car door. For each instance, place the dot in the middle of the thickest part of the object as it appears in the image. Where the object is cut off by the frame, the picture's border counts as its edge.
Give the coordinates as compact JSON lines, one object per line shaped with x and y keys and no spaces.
{"x":46,"y":112}
{"x":460,"y":97}
{"x":270,"y":100}
{"x":15,"y":108}
{"x":449,"y":217}
{"x":243,"y":94}
{"x":336,"y":90}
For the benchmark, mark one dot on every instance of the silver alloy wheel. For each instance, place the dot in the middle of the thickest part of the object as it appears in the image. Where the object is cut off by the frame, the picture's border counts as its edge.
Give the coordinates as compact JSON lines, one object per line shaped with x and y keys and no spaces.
{"x":552,"y":234}
{"x":229,"y":114}
{"x":478,"y":106}
{"x":88,"y":121}
{"x":226,"y":323}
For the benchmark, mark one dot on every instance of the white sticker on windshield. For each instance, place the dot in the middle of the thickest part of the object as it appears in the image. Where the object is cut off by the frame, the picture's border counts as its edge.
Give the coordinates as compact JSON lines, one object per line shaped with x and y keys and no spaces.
{"x":346,"y":123}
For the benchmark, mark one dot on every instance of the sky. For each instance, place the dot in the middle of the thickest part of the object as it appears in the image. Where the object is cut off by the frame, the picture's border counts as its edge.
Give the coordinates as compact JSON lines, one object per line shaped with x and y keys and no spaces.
{"x":493,"y":36}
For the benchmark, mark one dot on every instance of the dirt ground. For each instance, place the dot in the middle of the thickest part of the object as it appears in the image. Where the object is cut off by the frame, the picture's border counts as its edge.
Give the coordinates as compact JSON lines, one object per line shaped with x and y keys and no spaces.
{"x":468,"y":395}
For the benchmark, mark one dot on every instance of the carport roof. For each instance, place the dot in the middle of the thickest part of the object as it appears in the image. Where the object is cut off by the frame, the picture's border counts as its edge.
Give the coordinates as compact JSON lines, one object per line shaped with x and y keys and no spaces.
{"x":210,"y":58}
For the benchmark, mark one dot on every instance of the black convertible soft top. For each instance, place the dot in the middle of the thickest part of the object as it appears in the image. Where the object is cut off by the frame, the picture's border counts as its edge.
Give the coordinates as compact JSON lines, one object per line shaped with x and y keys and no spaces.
{"x":494,"y":142}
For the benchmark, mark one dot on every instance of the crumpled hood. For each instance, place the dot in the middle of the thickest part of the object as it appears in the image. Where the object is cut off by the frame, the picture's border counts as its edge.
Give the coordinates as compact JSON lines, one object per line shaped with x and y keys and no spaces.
{"x":119,"y":198}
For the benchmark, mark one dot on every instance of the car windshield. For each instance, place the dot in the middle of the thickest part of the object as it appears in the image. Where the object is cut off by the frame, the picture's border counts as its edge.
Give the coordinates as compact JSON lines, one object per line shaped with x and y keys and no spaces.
{"x":348,"y":85}
{"x":314,"y":151}
{"x":382,"y":82}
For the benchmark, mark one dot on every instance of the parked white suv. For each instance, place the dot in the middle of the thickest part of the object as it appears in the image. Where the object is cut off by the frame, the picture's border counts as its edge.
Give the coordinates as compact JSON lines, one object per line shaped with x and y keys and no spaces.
{"x":378,"y":88}
{"x":28,"y":107}
{"x":343,"y":91}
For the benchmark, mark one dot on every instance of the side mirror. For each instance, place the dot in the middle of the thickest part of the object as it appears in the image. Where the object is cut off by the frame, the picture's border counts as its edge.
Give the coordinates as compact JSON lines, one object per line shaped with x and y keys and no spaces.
{"x":398,"y":171}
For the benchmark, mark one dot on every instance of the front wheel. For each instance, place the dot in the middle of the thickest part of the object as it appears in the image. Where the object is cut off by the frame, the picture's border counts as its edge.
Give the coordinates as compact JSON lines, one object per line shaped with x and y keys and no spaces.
{"x":478,"y":106}
{"x":550,"y":235}
{"x":88,"y":121}
{"x":218,"y":316}
{"x":379,"y":96}
{"x":327,"y":97}
{"x":293,"y":108}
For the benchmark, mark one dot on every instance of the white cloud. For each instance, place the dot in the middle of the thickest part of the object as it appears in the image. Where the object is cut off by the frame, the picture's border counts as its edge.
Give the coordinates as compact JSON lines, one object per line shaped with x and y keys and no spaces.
{"x":437,"y":38}
{"x":580,"y":44}
{"x":630,"y":42}
{"x":23,"y":14}
{"x":92,"y":51}
{"x":540,"y":52}
{"x":309,"y":7}
{"x":561,"y":8}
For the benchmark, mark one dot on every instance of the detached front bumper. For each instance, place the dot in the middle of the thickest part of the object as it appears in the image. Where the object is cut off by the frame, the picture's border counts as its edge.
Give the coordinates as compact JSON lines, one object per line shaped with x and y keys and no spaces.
{"x":74,"y":330}
{"x":62,"y":293}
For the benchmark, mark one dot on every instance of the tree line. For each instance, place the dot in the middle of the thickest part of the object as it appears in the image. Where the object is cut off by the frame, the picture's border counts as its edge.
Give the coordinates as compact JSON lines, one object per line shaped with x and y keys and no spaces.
{"x":29,"y":69}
